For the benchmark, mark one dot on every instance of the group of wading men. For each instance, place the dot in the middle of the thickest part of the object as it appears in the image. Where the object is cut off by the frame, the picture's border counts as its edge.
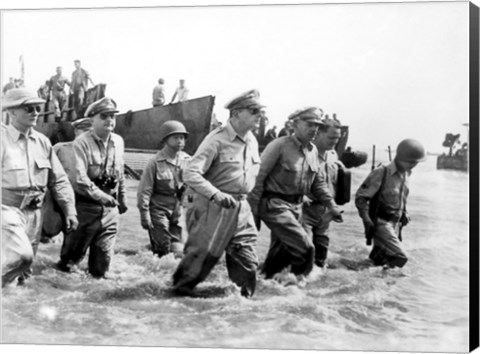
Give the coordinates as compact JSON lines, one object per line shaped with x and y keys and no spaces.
{"x":227,"y":188}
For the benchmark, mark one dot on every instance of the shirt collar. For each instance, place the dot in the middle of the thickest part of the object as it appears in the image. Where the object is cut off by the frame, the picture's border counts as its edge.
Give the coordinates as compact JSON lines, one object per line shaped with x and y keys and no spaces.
{"x":94,"y":135}
{"x":232,"y":134}
{"x":393,"y":169}
{"x":299,"y":144}
{"x":15,"y":133}
{"x":162,"y":156}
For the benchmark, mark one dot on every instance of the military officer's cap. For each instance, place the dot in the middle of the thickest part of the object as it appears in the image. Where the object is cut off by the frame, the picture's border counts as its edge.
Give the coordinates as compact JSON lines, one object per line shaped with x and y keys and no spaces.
{"x":249,"y":99}
{"x":103,"y":105}
{"x":19,"y":97}
{"x":82,"y":123}
{"x":309,"y":114}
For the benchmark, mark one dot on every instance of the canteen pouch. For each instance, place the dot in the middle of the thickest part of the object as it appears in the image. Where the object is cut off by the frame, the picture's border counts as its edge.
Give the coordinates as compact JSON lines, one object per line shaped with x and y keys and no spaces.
{"x":343,"y":187}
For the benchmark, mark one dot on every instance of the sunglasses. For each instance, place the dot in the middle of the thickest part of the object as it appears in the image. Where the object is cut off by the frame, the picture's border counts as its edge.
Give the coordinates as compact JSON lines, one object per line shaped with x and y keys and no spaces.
{"x":107,"y":115}
{"x":254,"y":111}
{"x":31,"y":109}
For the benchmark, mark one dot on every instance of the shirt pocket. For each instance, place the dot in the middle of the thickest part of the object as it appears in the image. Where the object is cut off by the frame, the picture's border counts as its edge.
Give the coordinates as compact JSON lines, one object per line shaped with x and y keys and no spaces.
{"x":42,"y":169}
{"x":14,"y":171}
{"x":391,"y":197}
{"x":229,"y":158}
{"x":164,"y":180}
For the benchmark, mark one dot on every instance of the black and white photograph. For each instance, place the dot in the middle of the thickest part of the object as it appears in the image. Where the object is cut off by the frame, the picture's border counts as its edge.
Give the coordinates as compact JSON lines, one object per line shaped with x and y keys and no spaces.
{"x":239,"y":175}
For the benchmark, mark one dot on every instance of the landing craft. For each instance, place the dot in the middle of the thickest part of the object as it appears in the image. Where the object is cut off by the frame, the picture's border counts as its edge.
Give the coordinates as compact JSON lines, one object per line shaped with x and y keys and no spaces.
{"x":139,"y":129}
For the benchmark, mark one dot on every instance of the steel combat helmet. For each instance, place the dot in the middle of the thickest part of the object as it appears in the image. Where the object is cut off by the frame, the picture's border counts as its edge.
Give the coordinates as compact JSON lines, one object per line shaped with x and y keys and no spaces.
{"x":172,"y":127}
{"x":411,"y":150}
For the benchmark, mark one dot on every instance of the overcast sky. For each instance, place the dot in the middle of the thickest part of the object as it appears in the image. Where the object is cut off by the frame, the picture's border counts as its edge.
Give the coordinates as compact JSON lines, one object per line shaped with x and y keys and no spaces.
{"x":388,"y":70}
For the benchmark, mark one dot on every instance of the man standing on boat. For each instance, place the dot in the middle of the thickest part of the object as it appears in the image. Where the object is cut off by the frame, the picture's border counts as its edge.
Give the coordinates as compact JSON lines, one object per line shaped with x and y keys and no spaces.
{"x":79,"y":86}
{"x":290,"y":170}
{"x":316,"y":217}
{"x":29,"y":167}
{"x":222,"y":172}
{"x":381,"y":202}
{"x":56,"y":88}
{"x":158,"y":94}
{"x":181,"y":93}
{"x":99,"y":183}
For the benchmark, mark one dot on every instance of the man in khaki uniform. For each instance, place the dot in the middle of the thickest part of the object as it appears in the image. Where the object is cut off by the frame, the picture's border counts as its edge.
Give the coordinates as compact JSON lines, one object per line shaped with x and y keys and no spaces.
{"x":29,"y":167}
{"x":381,"y":201}
{"x":222,"y":172}
{"x":99,"y":183}
{"x":316,"y":216}
{"x":160,"y":191}
{"x":290,"y":170}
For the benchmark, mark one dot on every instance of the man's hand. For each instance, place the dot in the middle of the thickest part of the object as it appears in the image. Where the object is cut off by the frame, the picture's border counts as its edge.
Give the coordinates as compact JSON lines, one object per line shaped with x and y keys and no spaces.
{"x":71,"y":223}
{"x":122,"y":208}
{"x":336,"y":214}
{"x":109,"y":201}
{"x":147,"y":224}
{"x":224,"y":200}
{"x":369,"y":227}
{"x":306,"y":200}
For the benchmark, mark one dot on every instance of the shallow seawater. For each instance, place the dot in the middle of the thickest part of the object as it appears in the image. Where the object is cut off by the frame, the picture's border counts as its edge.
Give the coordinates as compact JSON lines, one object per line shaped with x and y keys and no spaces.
{"x":422,"y":307}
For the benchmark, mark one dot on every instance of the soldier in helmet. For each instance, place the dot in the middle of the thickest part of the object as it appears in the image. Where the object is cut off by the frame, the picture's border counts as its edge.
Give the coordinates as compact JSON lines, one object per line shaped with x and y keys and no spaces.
{"x":97,"y":176}
{"x":381,"y":202}
{"x":160,"y":191}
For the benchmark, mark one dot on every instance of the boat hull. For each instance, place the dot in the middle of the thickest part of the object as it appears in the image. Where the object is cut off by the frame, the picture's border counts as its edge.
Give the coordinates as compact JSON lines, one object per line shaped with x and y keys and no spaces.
{"x":141,"y":129}
{"x":445,"y":162}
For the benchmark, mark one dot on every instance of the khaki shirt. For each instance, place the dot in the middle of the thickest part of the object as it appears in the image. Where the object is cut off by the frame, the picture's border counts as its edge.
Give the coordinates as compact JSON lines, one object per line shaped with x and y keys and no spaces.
{"x":224,"y":162}
{"x":162,"y":176}
{"x":288,"y":168}
{"x":394,"y":194}
{"x":29,"y":163}
{"x":90,"y":154}
{"x":329,"y":170}
{"x":64,"y":153}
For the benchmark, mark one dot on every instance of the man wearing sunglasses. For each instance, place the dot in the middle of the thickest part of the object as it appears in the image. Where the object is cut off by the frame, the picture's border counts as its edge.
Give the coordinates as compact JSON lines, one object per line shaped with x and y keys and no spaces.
{"x":290,"y":169}
{"x":29,"y":167}
{"x":98,"y":179}
{"x":222,"y":172}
